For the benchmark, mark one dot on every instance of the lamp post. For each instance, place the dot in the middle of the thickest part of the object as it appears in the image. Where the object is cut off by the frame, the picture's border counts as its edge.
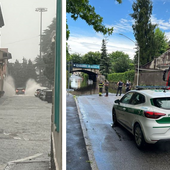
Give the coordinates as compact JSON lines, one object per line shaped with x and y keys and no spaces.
{"x":41,"y":10}
{"x":137,"y":83}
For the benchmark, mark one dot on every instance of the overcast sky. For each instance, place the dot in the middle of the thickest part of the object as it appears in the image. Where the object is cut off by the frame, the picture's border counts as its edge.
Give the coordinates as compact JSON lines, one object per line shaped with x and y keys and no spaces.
{"x":84,"y":39}
{"x":21,"y":31}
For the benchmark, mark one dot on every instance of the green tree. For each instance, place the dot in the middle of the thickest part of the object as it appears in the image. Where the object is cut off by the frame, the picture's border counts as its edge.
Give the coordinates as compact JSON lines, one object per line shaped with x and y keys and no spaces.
{"x":120,"y":62}
{"x":17,"y":75}
{"x":46,"y":38}
{"x":22,"y":72}
{"x":31,"y":71}
{"x":105,"y":60}
{"x":76,"y":58}
{"x":49,"y":64}
{"x":161,"y":42}
{"x":144,"y":30}
{"x":91,"y":58}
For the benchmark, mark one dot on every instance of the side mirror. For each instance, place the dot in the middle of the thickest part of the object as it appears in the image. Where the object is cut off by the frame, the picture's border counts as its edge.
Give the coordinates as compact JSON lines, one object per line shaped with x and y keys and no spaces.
{"x":117,"y":101}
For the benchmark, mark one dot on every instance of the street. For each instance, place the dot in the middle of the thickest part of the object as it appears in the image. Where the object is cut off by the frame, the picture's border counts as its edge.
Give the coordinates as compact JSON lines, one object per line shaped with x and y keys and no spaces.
{"x":114,"y":148}
{"x":25,"y":126}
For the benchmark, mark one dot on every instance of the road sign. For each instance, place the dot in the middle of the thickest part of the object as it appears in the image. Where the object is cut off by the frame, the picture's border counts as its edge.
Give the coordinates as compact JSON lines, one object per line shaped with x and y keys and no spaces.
{"x":87,"y":66}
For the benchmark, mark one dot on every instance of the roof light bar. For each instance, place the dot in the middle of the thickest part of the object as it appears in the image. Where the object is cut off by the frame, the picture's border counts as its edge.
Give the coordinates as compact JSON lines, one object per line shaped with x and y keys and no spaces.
{"x":153,"y":87}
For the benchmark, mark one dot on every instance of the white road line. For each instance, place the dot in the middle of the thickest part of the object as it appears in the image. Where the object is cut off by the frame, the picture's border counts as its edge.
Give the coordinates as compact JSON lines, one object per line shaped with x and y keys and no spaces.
{"x":27,"y":158}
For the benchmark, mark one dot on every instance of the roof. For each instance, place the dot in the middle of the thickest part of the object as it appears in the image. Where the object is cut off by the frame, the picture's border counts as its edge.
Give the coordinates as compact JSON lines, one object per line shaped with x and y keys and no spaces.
{"x":154,"y":93}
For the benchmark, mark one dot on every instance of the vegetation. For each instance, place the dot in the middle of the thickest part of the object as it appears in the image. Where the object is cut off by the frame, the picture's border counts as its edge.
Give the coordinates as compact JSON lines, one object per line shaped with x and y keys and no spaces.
{"x":161,"y":42}
{"x":120,"y":62}
{"x":127,"y":75}
{"x":144,"y":30}
{"x":22,"y":72}
{"x":151,"y":40}
{"x":105,"y":60}
{"x":46,"y":62}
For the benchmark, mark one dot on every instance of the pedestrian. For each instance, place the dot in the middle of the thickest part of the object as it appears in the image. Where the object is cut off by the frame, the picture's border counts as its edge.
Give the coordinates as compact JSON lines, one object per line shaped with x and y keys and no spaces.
{"x":101,"y":88}
{"x":128,"y":86}
{"x":119,"y":88}
{"x":106,"y":84}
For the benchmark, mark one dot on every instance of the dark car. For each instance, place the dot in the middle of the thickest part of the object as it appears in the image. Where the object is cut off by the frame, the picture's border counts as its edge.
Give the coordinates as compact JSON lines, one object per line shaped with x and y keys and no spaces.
{"x":48,"y":96}
{"x":20,"y":90}
{"x":41,"y":94}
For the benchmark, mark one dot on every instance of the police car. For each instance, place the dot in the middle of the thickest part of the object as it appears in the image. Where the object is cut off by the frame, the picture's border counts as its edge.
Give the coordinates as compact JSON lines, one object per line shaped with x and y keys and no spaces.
{"x":145,"y":112}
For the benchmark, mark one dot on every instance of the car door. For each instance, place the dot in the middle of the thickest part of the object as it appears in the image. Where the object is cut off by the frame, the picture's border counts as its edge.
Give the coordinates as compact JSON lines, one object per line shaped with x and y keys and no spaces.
{"x":122,"y":107}
{"x":133,"y":108}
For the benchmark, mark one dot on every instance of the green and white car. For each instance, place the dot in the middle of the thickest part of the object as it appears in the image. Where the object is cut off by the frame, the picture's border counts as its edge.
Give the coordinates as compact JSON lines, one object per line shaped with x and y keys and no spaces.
{"x":145,"y":113}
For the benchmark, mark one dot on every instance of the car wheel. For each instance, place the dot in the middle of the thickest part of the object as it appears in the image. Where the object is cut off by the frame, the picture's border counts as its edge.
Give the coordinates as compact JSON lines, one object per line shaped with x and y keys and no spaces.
{"x":114,"y":118}
{"x":139,"y":139}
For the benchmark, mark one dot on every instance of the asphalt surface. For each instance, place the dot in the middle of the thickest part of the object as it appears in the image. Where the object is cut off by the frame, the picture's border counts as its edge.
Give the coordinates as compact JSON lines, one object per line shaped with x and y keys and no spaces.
{"x":113,"y":147}
{"x":25,"y":128}
{"x":77,"y":156}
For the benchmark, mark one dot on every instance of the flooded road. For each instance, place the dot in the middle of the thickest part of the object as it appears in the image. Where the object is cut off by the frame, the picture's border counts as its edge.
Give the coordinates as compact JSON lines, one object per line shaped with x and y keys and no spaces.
{"x":81,"y":86}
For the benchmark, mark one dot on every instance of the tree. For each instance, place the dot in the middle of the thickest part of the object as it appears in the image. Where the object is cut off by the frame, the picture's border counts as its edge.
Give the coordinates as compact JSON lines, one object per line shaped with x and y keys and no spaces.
{"x":82,"y":9}
{"x":49,"y":64}
{"x":120,"y":62}
{"x":47,"y":36}
{"x":76,"y":58}
{"x":22,"y":72}
{"x":105,"y":60}
{"x":31,"y":71}
{"x":91,"y":58}
{"x":161,"y":42}
{"x":144,"y":30}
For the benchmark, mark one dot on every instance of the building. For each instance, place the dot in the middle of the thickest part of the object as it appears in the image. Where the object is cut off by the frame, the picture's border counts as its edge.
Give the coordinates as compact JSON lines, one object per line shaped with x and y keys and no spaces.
{"x":151,"y":74}
{"x":4,"y":56}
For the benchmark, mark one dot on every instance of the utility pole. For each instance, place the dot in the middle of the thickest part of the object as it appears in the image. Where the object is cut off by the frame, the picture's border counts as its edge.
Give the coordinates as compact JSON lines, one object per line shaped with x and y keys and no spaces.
{"x":41,"y":10}
{"x":137,"y":83}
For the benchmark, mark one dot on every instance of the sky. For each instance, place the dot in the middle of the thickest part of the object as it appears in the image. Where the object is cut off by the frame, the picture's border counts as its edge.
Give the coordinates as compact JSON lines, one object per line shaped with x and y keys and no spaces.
{"x":83,"y":38}
{"x":21,"y":32}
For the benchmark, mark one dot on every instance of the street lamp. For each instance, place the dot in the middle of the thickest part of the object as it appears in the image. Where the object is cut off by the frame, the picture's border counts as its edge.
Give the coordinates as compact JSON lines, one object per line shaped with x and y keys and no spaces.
{"x":41,"y":10}
{"x":138,"y":56}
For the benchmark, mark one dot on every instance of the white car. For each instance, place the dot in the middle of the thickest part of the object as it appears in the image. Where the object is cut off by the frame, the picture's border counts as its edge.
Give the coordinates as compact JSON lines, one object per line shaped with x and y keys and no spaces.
{"x":145,"y":113}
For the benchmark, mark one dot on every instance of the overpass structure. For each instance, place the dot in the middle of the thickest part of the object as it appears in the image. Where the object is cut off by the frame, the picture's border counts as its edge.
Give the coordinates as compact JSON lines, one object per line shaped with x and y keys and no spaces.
{"x":91,"y":70}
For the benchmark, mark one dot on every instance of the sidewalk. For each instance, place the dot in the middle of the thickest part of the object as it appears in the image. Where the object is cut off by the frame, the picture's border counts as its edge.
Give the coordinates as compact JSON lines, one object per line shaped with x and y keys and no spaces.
{"x":77,"y":156}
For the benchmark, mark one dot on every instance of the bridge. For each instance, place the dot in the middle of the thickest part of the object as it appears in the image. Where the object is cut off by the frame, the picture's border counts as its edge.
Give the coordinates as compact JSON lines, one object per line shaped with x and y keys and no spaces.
{"x":91,"y":70}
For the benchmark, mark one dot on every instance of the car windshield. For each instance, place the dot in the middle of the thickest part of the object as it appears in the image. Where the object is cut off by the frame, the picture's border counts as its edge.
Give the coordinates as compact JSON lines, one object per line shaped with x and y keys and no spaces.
{"x":162,"y":102}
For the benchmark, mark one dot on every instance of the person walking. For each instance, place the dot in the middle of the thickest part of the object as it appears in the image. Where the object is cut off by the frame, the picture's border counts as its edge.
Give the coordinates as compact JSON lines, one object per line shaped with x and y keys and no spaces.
{"x":128,"y":86}
{"x":119,"y":89}
{"x":101,"y":88}
{"x":106,"y":84}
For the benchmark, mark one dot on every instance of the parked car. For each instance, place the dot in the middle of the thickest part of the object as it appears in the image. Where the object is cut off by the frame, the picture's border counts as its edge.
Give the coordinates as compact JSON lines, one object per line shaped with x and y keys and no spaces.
{"x":36,"y":94}
{"x":48,"y":96}
{"x":20,"y":90}
{"x":42,"y":94}
{"x":144,"y":113}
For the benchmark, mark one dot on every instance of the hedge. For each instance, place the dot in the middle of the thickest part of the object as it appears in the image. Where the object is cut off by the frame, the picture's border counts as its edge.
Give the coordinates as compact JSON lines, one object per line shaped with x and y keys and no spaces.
{"x":128,"y":75}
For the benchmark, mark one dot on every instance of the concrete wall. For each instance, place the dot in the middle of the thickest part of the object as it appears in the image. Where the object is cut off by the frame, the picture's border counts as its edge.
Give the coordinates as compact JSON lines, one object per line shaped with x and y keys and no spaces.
{"x":151,"y":78}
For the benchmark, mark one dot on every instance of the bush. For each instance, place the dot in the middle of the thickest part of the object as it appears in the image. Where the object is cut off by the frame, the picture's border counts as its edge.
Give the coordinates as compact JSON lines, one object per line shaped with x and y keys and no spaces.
{"x":128,"y":75}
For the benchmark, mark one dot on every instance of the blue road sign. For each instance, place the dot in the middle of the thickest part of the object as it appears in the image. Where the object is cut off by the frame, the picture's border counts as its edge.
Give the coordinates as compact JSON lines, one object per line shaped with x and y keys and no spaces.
{"x":88,"y":66}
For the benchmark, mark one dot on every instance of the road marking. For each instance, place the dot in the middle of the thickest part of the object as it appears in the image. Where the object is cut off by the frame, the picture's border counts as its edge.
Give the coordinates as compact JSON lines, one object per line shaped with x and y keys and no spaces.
{"x":27,"y":158}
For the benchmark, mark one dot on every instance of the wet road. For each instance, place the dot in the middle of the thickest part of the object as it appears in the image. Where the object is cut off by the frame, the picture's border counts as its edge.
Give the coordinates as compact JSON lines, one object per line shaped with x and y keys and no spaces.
{"x":114,"y":148}
{"x":25,"y":126}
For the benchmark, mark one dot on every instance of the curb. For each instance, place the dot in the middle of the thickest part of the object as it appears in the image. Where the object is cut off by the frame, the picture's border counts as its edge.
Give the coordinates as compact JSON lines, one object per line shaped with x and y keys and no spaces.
{"x":89,"y":149}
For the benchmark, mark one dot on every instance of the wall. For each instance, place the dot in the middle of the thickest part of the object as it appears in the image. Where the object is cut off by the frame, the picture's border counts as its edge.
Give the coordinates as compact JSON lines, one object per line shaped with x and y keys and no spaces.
{"x":151,"y":78}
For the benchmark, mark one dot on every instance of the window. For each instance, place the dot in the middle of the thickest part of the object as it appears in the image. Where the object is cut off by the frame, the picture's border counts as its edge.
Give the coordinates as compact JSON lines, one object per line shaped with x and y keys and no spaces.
{"x":138,"y":99}
{"x":163,"y":103}
{"x":126,"y":98}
